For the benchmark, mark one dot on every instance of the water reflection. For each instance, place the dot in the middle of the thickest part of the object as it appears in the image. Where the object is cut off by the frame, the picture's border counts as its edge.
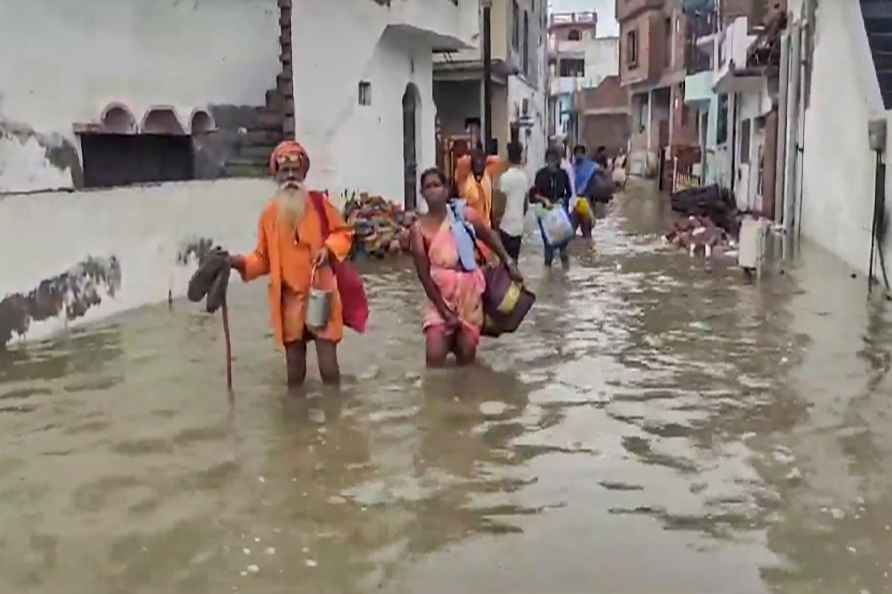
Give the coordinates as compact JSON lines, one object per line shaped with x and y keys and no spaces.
{"x":651,"y":428}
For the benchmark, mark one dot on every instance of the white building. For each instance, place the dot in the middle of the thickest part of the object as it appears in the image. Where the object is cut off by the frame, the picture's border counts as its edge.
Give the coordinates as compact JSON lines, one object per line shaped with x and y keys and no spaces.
{"x":109,"y":96}
{"x":831,"y":178}
{"x":580,"y":60}
{"x":519,"y":82}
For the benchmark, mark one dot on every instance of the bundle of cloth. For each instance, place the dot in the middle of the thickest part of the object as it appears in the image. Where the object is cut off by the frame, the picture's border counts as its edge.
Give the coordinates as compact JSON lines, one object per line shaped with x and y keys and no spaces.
{"x":211,"y":280}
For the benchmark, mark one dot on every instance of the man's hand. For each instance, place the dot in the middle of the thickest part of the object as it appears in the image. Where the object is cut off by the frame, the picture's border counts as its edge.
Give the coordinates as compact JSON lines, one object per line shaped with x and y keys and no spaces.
{"x":321,"y":258}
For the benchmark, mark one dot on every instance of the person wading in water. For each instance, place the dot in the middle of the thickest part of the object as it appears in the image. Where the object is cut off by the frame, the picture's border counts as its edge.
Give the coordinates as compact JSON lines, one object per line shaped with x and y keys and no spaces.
{"x":552,"y":189}
{"x":290,"y":247}
{"x":443,"y":246}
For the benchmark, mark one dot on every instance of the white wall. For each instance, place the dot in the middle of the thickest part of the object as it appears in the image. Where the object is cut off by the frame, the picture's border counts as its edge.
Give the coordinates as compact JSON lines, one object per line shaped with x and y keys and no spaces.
{"x":339,"y":44}
{"x":535,"y":140}
{"x":144,"y":227}
{"x":601,"y":60}
{"x":837,"y":206}
{"x":63,"y":62}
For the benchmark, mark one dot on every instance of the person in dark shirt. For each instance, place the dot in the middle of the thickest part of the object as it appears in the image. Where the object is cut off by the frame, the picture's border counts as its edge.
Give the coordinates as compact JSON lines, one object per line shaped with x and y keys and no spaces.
{"x":552,"y":189}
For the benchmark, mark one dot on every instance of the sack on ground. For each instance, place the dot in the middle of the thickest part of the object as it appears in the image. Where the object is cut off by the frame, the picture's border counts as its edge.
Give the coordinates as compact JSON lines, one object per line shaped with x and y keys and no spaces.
{"x":557,"y":226}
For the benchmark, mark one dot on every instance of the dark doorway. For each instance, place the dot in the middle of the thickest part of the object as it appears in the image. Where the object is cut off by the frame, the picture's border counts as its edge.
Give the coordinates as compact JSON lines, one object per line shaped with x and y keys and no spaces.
{"x":410,"y":152}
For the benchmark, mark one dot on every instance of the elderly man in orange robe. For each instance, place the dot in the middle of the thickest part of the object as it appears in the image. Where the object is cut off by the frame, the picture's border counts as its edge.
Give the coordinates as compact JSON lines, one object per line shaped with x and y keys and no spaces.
{"x":290,"y":247}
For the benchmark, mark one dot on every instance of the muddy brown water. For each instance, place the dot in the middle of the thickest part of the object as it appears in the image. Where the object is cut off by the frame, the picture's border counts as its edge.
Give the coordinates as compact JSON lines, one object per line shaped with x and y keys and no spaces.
{"x":651,"y":428}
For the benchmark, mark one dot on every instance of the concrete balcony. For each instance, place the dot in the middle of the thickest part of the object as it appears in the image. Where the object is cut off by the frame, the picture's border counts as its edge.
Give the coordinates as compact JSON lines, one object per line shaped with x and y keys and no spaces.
{"x":698,"y":89}
{"x":447,"y":25}
{"x":630,"y":8}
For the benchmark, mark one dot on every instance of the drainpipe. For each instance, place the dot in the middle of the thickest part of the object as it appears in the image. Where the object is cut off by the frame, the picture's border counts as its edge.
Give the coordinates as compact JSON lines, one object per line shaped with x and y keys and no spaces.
{"x":734,"y":147}
{"x":780,"y":163}
{"x":877,"y":138}
{"x":793,"y":120}
{"x":487,"y":75}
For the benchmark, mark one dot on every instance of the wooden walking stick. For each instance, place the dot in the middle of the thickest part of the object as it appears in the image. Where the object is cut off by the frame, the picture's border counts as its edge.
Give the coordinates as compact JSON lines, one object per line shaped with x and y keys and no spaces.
{"x":228,"y":339}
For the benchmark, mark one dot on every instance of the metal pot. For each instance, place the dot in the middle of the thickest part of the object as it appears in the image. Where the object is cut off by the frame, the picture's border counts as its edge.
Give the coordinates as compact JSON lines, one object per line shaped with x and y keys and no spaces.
{"x":318,"y":309}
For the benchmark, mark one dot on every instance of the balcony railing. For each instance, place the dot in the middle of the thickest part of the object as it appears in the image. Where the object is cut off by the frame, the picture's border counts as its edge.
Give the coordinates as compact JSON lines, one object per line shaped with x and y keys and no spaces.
{"x":700,"y":24}
{"x":571,"y":18}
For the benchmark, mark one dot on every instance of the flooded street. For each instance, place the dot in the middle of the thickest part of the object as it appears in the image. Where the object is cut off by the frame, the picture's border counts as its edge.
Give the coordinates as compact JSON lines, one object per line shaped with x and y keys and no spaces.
{"x":651,"y":428}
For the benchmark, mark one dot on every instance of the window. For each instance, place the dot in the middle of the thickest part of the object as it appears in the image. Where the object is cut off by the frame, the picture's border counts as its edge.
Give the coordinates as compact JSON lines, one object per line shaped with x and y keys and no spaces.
{"x":632,"y":49}
{"x":745,"y":130}
{"x":574,"y":35}
{"x":642,"y":111}
{"x":123,"y":159}
{"x":526,"y":43}
{"x":365,"y":93}
{"x":722,"y":124}
{"x":572,"y":68}
{"x":515,"y":26}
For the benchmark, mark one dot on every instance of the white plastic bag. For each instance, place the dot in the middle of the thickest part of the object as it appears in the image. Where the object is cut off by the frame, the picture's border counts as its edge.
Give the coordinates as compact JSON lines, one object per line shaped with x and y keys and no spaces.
{"x":557,"y":226}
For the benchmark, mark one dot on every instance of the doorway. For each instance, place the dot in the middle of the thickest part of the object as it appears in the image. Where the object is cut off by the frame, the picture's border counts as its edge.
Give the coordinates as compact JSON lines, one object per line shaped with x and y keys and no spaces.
{"x":411,"y":107}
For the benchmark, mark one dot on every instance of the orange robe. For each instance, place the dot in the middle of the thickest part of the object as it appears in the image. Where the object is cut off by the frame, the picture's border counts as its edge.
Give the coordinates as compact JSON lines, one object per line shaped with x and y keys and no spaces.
{"x":288,"y":259}
{"x":478,"y":196}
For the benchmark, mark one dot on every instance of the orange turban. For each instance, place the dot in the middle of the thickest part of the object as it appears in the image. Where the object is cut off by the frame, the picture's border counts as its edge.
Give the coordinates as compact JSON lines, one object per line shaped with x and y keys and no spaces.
{"x":289,"y":151}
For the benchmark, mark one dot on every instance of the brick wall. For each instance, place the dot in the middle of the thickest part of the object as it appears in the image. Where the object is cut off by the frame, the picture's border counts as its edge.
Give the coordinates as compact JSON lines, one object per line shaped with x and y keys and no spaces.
{"x":610,"y":130}
{"x":684,"y":121}
{"x":650,"y":51}
{"x":608,"y":95}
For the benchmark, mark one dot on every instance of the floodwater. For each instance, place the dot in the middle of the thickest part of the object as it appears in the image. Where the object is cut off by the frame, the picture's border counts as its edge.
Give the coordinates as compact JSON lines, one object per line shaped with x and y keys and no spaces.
{"x":651,"y":428}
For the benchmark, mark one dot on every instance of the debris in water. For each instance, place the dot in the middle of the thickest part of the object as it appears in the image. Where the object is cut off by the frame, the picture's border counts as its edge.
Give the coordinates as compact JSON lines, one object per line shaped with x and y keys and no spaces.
{"x":270,"y":550}
{"x":794,"y":475}
{"x":851,"y":549}
{"x":256,"y":539}
{"x":246,"y":551}
{"x":310,"y":563}
{"x":253,"y":569}
{"x":837,"y":513}
{"x":261,"y":479}
{"x":370,"y":373}
{"x":699,"y":487}
{"x":783,"y":456}
{"x":412,"y":376}
{"x":305,"y":550}
{"x":337,"y":500}
{"x":493,"y":408}
{"x":244,"y":574}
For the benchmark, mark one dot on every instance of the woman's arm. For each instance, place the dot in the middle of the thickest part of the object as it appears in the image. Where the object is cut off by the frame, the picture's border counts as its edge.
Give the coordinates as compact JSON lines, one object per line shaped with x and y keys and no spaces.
{"x":492,"y":241}
{"x":423,"y":268}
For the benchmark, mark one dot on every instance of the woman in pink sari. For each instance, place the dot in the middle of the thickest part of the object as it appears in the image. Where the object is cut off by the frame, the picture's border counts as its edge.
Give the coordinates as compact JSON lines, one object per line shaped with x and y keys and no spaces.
{"x":443,"y":243}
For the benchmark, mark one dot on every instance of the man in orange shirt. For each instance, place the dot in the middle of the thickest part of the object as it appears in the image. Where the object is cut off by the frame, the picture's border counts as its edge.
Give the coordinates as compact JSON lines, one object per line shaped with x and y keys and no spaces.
{"x":494,"y":164}
{"x":476,"y":190}
{"x":290,"y":248}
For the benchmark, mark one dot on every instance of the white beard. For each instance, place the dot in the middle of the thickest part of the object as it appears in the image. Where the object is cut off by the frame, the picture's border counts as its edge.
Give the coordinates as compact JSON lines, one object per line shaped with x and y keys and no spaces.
{"x":292,"y":204}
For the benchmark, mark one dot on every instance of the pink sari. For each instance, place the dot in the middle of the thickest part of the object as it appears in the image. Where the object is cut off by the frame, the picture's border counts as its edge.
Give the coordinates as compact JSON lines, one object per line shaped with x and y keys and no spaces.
{"x":462,"y":291}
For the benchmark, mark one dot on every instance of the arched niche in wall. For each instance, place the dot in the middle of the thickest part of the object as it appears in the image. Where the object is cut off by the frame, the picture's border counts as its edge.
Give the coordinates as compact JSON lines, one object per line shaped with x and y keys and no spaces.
{"x":162,"y":120}
{"x":201,"y":122}
{"x":117,"y":119}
